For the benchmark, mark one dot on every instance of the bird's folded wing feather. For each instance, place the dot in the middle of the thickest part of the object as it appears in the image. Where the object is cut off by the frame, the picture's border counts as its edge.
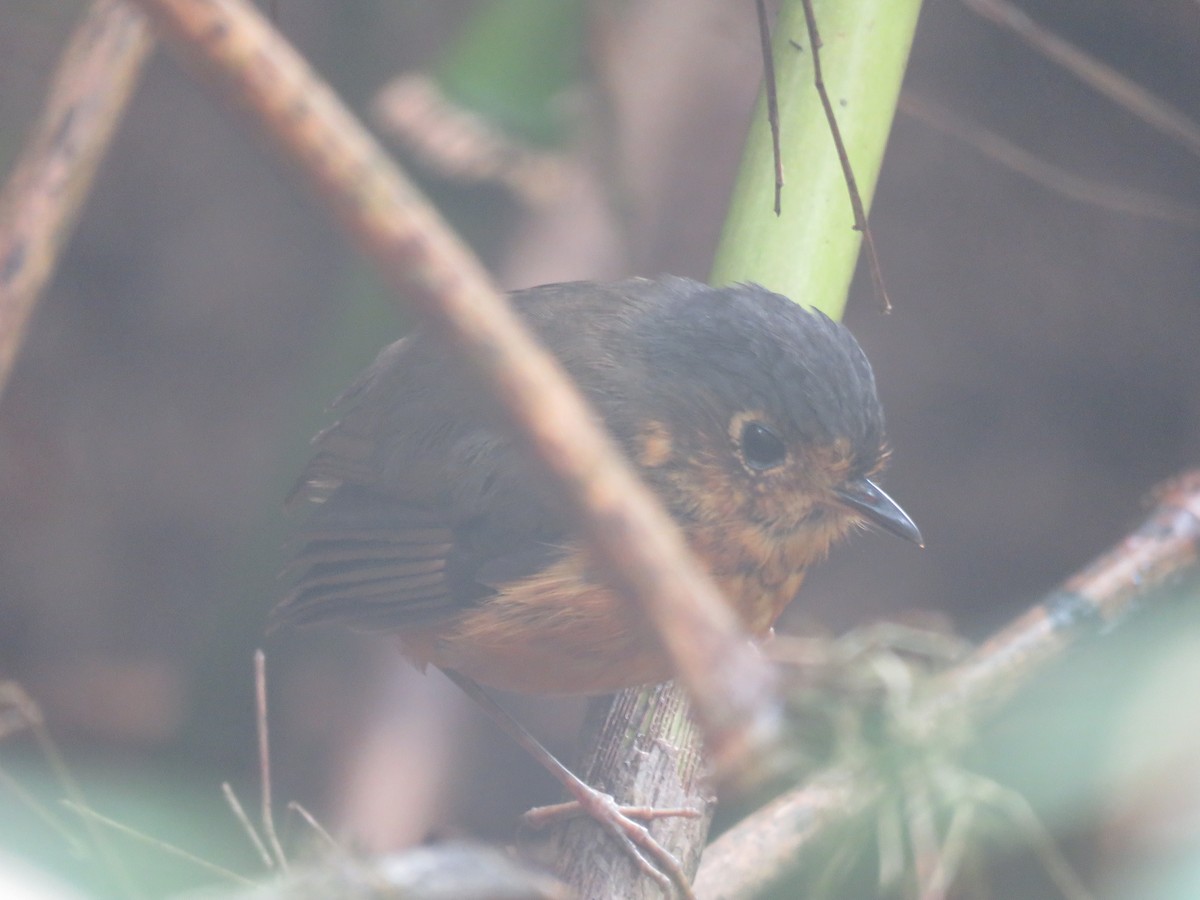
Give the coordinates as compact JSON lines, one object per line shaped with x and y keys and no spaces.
{"x":421,"y":513}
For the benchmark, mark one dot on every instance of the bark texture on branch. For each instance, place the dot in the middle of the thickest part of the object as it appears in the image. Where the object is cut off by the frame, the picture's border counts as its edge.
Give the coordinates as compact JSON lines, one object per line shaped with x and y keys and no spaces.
{"x":653,"y":725}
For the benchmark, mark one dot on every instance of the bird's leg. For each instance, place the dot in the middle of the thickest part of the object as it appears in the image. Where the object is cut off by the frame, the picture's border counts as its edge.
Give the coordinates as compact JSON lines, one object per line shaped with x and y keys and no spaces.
{"x":619,"y":821}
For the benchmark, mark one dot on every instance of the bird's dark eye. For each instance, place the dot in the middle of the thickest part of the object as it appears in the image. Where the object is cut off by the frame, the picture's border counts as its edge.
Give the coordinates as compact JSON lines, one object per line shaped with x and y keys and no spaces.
{"x":761,"y":447}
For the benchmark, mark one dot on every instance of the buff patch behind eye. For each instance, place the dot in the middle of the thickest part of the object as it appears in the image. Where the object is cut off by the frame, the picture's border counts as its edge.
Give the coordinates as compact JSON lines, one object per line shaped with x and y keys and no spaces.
{"x":654,"y":445}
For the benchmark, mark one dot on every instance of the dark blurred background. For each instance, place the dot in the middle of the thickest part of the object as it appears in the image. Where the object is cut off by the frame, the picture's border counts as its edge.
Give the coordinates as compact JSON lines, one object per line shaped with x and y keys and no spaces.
{"x":1040,"y":374}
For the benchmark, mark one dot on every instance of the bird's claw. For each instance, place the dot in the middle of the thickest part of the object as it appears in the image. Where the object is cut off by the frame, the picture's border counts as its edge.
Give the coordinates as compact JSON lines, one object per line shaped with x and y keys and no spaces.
{"x":651,"y":857}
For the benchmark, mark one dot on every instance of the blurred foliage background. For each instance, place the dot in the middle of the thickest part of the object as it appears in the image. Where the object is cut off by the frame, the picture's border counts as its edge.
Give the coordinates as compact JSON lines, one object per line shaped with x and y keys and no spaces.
{"x":1040,"y":374}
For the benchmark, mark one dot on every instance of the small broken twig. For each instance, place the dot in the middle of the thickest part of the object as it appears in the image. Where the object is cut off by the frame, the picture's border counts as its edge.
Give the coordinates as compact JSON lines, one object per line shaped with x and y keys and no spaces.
{"x":770,"y":90}
{"x":856,"y":202}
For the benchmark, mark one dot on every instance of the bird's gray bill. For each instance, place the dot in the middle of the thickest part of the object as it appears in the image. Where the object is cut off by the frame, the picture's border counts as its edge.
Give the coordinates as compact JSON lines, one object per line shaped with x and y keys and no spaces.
{"x":864,"y":496}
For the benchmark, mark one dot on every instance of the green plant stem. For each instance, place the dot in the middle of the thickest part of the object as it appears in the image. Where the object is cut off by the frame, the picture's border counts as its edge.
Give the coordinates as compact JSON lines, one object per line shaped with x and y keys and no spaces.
{"x":809,"y":251}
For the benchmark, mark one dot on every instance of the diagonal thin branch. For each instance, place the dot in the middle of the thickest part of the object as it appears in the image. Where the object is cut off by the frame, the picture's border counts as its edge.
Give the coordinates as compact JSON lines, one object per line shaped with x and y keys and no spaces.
{"x":1099,"y":76}
{"x":1005,"y":153}
{"x":1134,"y":576}
{"x":770,"y":87}
{"x":42,"y":198}
{"x":856,"y":201}
{"x":643,"y":554}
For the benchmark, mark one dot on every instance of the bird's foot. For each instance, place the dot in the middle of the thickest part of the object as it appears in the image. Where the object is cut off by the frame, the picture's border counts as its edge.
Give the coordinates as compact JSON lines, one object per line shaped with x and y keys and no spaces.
{"x":623,"y":825}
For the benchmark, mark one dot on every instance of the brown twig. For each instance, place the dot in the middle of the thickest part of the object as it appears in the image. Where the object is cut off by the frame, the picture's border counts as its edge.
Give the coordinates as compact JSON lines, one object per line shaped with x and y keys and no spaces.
{"x":770,"y":88}
{"x":1163,"y":552}
{"x":41,"y":201}
{"x":856,"y":203}
{"x":643,"y":553}
{"x":1097,"y":75}
{"x":1083,"y":190}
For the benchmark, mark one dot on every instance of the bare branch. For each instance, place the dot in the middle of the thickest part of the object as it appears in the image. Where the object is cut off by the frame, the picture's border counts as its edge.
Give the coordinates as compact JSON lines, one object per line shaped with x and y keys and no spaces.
{"x":1067,"y":184}
{"x":41,"y":201}
{"x":1098,"y":76}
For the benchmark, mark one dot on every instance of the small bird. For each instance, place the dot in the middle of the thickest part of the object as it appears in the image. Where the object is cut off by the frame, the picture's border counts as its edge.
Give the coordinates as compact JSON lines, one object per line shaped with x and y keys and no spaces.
{"x":755,"y":421}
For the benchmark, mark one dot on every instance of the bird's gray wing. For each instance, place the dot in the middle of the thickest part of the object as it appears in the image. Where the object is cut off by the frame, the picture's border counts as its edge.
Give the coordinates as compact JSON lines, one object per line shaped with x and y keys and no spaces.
{"x":425,"y":506}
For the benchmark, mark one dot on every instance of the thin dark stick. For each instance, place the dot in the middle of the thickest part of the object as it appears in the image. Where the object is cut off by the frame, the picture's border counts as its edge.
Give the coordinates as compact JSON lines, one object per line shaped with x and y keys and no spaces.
{"x":770,"y":86}
{"x":1004,"y":152}
{"x":860,"y":212}
{"x":1097,"y":75}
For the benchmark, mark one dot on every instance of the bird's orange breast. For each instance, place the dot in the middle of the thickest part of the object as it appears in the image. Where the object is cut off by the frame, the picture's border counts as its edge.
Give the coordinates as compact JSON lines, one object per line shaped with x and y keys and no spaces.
{"x":562,"y":631}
